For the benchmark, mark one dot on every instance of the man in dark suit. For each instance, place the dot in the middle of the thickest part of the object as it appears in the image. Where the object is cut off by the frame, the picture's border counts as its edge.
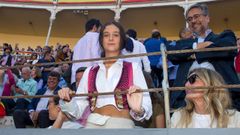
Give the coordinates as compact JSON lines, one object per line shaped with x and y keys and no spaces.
{"x":197,"y":17}
{"x":37,"y":113}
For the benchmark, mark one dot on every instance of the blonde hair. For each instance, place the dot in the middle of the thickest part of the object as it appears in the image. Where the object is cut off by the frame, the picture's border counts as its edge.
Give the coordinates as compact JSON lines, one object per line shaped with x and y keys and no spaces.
{"x":38,"y":72}
{"x":217,"y":100}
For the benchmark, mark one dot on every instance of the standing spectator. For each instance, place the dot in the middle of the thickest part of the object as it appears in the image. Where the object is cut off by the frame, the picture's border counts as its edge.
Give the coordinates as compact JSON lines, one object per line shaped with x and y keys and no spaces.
{"x":137,"y":47}
{"x":153,"y":45}
{"x":197,"y":16}
{"x":87,"y":47}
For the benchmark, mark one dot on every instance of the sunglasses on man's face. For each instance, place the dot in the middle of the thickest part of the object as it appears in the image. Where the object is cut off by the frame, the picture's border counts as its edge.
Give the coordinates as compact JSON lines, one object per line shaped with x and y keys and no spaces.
{"x":192,"y":78}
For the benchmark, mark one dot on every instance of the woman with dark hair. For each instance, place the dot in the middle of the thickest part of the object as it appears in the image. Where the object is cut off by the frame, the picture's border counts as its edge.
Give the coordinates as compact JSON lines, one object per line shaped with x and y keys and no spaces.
{"x":62,"y":54}
{"x":33,"y":59}
{"x":110,"y":111}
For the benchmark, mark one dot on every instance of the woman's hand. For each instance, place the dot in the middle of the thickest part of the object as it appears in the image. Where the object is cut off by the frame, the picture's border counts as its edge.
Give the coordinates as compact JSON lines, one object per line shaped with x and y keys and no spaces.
{"x":135,"y":99}
{"x":65,"y":94}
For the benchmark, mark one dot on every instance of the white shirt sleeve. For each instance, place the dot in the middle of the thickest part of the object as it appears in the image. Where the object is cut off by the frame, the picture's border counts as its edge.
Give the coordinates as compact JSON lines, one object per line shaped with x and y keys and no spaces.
{"x":94,"y":46}
{"x":139,"y":80}
{"x":76,"y":107}
{"x":145,"y":60}
{"x":76,"y":56}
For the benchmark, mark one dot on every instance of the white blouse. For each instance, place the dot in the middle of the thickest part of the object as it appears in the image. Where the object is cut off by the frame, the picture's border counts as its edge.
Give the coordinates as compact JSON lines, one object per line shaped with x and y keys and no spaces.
{"x":106,"y":81}
{"x":204,"y":120}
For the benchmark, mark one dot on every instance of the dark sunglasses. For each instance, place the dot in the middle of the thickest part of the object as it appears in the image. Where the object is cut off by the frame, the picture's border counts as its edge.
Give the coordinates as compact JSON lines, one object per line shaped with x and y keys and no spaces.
{"x":192,"y":78}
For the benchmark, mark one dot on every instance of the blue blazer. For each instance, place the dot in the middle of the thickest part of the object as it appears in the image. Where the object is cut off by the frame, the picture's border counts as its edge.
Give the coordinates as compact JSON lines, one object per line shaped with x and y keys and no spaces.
{"x":223,"y":62}
{"x":34,"y":102}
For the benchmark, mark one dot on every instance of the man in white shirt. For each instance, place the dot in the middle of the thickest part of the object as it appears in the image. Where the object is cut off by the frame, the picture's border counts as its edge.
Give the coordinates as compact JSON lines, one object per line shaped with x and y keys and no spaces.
{"x":87,"y":47}
{"x":138,"y":48}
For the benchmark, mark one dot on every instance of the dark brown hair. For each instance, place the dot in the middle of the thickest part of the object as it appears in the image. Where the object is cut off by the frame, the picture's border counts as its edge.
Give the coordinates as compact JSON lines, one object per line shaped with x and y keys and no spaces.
{"x":122,"y":35}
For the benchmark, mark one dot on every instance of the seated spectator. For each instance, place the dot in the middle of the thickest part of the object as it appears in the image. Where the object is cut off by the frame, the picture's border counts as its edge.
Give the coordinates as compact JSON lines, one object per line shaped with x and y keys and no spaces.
{"x":7,"y":59}
{"x":157,"y":120}
{"x":62,"y":54}
{"x":37,"y":113}
{"x":24,"y":86}
{"x":47,"y":58}
{"x":206,"y":108}
{"x":55,"y":113}
{"x":65,"y":67}
{"x":79,"y":74}
{"x":2,"y":110}
{"x":5,"y":45}
{"x":33,"y":59}
{"x":62,"y":83}
{"x":36,"y":74}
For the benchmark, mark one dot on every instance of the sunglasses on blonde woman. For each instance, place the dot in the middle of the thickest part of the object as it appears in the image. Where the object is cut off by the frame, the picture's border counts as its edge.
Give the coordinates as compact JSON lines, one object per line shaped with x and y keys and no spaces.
{"x":192,"y":78}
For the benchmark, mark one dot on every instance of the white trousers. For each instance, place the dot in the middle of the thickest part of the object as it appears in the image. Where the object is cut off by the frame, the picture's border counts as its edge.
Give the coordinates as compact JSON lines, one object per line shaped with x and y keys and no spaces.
{"x":100,"y":121}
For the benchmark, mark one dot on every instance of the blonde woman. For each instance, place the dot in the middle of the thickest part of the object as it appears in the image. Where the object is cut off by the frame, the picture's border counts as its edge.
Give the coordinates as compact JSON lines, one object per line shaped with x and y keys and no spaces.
{"x":206,"y":108}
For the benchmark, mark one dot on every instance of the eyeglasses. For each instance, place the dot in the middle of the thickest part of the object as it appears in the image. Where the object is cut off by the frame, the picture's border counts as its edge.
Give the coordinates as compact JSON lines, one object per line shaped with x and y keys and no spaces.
{"x":192,"y":78}
{"x":195,"y":17}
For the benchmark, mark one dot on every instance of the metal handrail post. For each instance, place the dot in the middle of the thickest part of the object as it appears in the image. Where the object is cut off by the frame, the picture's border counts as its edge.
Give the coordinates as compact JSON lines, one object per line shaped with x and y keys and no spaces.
{"x":165,"y":85}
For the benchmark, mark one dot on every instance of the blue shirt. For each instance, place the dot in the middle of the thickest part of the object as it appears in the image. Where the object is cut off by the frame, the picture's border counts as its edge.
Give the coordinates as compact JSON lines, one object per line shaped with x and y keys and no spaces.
{"x":153,"y":45}
{"x":29,"y":86}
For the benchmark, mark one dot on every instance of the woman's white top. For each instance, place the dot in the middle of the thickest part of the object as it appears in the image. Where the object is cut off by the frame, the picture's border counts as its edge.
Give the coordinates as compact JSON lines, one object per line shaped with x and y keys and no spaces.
{"x":204,"y":120}
{"x":106,"y":81}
